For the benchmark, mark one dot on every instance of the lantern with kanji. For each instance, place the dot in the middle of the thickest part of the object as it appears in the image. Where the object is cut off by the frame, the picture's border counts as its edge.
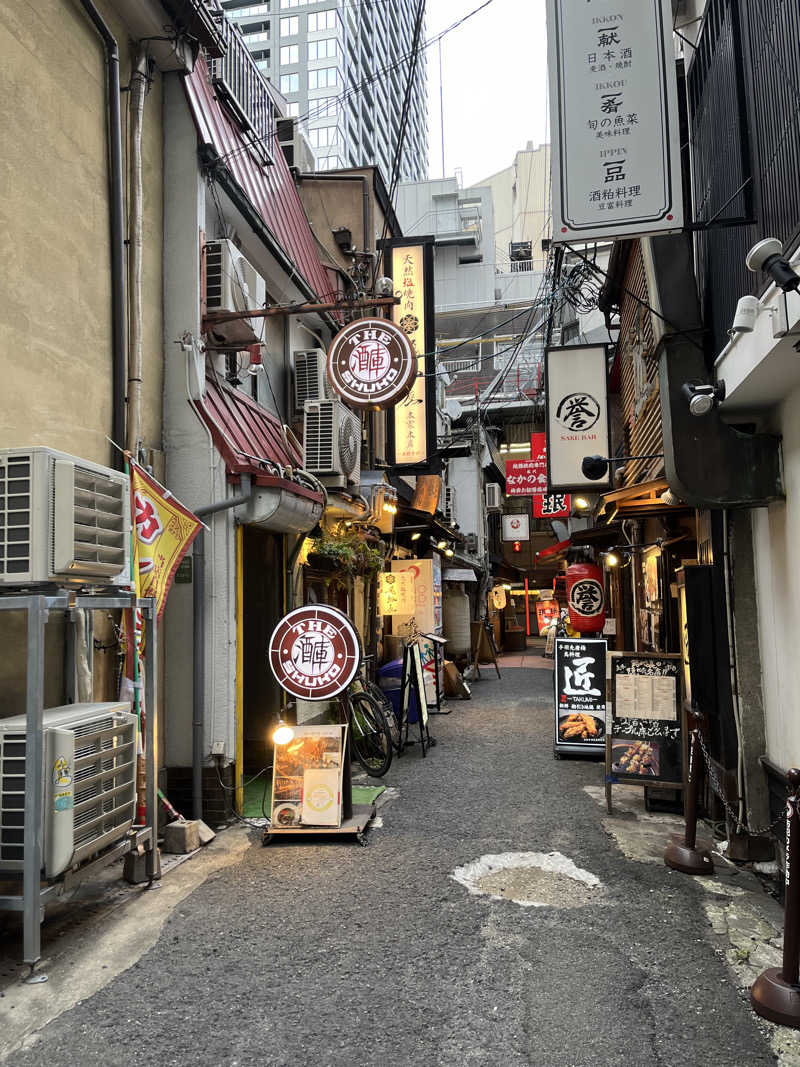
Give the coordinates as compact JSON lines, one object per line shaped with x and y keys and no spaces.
{"x":586,"y":598}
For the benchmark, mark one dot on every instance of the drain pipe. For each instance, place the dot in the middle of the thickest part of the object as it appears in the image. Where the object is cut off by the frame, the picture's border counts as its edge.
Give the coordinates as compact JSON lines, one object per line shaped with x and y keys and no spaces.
{"x":199,"y":645}
{"x":116,"y":212}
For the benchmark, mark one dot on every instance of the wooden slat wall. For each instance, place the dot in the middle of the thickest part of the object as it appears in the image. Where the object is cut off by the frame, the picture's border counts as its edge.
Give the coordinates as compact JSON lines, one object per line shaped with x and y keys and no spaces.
{"x":643,"y":427}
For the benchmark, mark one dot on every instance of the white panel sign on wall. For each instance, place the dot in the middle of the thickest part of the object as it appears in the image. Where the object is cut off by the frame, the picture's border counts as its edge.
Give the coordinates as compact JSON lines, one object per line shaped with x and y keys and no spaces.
{"x":516,"y":528}
{"x":576,"y":384}
{"x":614,"y":111}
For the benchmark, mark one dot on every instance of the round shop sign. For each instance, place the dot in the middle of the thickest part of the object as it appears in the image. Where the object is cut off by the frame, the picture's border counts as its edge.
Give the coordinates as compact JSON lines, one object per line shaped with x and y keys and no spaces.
{"x":371,"y":364}
{"x":314,"y":652}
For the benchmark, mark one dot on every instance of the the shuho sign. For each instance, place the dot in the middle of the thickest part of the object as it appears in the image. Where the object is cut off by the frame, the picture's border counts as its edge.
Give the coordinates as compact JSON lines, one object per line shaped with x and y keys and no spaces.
{"x":314,"y":652}
{"x":371,"y":364}
{"x":614,"y":112}
{"x":577,"y":414}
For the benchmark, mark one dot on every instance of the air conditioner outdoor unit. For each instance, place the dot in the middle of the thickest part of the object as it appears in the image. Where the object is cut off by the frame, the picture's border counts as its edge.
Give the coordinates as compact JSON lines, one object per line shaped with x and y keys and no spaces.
{"x":310,"y":377}
{"x":450,"y":505}
{"x":233,"y":284}
{"x":62,"y":520}
{"x":332,"y":441}
{"x":471,"y":542}
{"x":494,"y":497}
{"x":88,"y":784}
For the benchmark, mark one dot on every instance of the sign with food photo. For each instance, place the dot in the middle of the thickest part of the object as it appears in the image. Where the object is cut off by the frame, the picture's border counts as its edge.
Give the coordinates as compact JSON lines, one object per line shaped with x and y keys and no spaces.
{"x":646,"y":733}
{"x":580,"y":692}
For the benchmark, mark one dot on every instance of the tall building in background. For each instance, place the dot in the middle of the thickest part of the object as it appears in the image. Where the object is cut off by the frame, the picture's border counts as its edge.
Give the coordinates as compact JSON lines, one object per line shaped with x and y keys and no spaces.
{"x":337,"y":63}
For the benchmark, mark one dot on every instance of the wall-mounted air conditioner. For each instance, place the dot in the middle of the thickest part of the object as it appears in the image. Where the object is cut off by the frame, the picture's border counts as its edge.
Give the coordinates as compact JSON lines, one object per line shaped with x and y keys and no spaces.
{"x":471,"y":544}
{"x":494,"y":497}
{"x":332,"y":441}
{"x":62,"y":520}
{"x":450,"y":505}
{"x":310,"y":377}
{"x":232,"y":284}
{"x":88,"y":784}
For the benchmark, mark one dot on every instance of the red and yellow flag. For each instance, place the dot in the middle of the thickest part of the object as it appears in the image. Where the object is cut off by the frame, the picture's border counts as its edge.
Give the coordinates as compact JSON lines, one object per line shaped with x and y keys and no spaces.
{"x":163,"y":533}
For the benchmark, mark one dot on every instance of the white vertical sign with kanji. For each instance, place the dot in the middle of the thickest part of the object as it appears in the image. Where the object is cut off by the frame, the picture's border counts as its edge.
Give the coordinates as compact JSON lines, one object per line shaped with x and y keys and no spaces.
{"x":614,"y":111}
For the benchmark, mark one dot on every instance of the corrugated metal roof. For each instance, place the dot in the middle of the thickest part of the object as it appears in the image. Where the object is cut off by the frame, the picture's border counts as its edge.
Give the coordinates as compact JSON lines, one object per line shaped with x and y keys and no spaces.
{"x":251,"y":440}
{"x":270,"y":189}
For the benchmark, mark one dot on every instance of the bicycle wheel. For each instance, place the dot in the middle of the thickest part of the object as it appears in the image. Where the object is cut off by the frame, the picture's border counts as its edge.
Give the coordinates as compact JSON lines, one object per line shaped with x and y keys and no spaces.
{"x":370,"y":738}
{"x":385,"y":705}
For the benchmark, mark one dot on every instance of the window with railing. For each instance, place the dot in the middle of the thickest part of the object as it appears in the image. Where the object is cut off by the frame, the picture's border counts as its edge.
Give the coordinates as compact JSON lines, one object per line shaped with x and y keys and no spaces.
{"x":244,"y":92}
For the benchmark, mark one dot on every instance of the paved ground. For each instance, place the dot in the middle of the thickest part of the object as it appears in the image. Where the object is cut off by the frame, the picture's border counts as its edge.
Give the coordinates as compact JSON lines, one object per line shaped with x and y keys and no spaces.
{"x":330,"y":954}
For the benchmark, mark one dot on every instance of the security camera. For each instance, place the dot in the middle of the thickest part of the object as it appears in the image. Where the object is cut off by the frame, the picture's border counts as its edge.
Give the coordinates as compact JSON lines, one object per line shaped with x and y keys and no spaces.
{"x":744,"y":320}
{"x":768,"y":255}
{"x":703,"y":398}
{"x":384,"y":286}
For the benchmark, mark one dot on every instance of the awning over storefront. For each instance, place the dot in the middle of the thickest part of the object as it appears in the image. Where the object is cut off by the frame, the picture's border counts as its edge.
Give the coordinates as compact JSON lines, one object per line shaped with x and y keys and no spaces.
{"x":555,"y":552}
{"x":253,"y":442}
{"x":640,"y":501}
{"x":459,"y":574}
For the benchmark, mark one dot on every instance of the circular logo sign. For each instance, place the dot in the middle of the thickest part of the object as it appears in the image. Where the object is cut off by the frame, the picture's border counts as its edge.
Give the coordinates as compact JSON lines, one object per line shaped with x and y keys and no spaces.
{"x":371,"y":364}
{"x":586,"y":597}
{"x":578,"y":412}
{"x":314,"y":652}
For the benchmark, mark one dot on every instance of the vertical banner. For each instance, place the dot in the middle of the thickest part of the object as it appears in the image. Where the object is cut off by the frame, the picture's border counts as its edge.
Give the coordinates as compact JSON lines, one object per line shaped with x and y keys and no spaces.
{"x":576,"y":385}
{"x":412,"y":424}
{"x":614,"y":116}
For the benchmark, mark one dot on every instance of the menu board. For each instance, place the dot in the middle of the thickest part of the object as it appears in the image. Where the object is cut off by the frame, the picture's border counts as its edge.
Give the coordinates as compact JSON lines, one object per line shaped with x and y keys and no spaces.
{"x":580,"y":691}
{"x":646,"y":734}
{"x":307,"y":777}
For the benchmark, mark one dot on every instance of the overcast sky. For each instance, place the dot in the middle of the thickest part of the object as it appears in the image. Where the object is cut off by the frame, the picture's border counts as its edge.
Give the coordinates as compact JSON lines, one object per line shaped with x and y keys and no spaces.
{"x":494,"y":81}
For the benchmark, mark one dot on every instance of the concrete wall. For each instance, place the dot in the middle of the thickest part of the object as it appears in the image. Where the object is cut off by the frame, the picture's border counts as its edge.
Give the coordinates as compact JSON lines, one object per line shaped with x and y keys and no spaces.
{"x":521,"y":202}
{"x":776,"y":534}
{"x":55,"y":281}
{"x":55,"y":313}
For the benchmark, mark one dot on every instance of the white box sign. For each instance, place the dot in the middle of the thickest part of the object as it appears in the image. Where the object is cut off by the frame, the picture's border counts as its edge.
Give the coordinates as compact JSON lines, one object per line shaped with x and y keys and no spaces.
{"x":614,"y":111}
{"x":516,"y":528}
{"x":577,"y":414}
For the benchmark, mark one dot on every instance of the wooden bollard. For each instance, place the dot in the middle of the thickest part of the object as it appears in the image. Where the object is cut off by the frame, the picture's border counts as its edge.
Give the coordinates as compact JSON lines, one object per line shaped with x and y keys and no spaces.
{"x":775,"y":994}
{"x":684,"y":855}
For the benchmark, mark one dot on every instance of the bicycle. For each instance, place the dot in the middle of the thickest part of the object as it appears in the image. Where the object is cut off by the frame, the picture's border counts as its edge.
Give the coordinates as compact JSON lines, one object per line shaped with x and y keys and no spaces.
{"x":381,"y":699}
{"x":370,"y":734}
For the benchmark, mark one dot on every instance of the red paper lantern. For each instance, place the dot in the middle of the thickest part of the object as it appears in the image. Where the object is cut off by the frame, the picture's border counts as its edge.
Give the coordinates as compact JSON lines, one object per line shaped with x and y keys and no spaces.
{"x":586,"y":598}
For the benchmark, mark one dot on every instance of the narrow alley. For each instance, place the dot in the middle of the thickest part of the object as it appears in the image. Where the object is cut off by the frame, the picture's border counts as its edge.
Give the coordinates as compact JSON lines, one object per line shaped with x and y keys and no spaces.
{"x":321,"y":952}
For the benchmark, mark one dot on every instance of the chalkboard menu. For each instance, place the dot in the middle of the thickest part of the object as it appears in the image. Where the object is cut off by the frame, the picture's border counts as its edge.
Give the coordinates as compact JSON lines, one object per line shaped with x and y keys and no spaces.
{"x":580,"y":692}
{"x":646,"y":735}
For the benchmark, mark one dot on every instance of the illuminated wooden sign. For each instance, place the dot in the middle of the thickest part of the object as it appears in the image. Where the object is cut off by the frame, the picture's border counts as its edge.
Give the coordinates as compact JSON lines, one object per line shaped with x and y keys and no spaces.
{"x":395,"y":593}
{"x":371,"y":364}
{"x":410,"y":265}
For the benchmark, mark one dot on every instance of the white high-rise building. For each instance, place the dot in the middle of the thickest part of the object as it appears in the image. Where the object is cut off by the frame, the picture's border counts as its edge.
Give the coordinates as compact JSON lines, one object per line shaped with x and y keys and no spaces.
{"x":343,"y":66}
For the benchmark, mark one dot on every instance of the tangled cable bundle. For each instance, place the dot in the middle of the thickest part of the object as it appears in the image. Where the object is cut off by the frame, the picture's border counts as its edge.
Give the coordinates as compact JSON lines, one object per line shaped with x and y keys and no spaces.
{"x":582,"y":286}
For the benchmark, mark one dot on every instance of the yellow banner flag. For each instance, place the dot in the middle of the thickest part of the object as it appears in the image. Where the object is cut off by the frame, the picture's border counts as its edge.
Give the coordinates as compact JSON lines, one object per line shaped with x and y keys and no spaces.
{"x":163,"y":532}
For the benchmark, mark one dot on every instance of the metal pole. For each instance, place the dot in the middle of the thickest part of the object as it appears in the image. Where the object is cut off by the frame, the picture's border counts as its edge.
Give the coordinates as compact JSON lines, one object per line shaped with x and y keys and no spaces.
{"x":34,"y":759}
{"x":527,"y":611}
{"x":775,"y":994}
{"x":151,"y":732}
{"x":683,"y":855}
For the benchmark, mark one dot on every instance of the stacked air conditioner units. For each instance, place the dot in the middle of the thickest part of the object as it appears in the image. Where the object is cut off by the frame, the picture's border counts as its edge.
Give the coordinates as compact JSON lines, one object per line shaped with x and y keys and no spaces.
{"x":88,"y":785}
{"x":62,"y":520}
{"x":331,"y":431}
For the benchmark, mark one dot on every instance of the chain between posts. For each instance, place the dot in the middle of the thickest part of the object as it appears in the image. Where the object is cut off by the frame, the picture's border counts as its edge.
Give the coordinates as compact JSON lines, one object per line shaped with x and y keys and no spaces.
{"x":716,"y":786}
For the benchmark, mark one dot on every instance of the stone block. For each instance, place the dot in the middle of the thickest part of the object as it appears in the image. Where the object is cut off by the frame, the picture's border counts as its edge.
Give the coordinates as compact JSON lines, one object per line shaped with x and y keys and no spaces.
{"x":181,"y":836}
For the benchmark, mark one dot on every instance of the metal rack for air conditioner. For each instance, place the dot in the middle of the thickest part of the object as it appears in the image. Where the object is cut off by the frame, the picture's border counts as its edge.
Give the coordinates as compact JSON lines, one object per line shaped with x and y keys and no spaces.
{"x":140,"y":839}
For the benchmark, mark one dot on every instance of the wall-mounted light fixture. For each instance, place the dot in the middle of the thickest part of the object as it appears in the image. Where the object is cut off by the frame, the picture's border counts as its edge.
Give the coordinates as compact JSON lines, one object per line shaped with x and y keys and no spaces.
{"x":596,"y":467}
{"x":703,"y":398}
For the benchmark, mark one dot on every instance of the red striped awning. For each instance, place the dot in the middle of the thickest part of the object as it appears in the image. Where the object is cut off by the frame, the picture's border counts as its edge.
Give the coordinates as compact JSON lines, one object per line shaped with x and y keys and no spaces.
{"x":252,"y":441}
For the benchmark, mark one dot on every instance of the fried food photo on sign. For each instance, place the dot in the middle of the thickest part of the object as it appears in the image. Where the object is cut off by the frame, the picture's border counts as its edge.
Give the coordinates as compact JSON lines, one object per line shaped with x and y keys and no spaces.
{"x":635,"y":757}
{"x":578,"y":727}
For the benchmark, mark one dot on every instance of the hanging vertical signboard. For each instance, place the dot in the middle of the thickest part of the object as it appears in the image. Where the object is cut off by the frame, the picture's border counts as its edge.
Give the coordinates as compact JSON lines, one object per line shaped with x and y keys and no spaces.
{"x":412,"y":424}
{"x":580,"y":690}
{"x":577,"y":415}
{"x":614,"y":112}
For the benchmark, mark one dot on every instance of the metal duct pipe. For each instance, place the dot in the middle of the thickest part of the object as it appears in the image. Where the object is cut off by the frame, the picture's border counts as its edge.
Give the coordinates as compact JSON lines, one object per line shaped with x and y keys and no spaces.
{"x":199,"y":646}
{"x":116,"y":213}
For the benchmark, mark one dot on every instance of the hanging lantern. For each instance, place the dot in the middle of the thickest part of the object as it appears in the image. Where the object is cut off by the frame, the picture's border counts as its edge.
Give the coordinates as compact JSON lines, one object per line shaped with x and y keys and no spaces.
{"x":586,"y":598}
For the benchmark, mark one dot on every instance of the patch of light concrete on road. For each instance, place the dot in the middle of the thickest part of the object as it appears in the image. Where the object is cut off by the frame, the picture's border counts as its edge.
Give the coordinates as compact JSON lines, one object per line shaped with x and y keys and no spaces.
{"x":530,"y":879}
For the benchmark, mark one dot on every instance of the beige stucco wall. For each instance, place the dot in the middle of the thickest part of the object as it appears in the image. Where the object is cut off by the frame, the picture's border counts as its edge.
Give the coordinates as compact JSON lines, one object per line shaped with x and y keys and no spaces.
{"x":521,"y":195}
{"x":55,"y":284}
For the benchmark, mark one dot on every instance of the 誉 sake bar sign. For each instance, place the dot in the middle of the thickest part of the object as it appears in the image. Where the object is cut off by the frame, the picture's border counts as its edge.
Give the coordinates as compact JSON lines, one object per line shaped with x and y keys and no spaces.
{"x":576,"y":389}
{"x":614,"y":112}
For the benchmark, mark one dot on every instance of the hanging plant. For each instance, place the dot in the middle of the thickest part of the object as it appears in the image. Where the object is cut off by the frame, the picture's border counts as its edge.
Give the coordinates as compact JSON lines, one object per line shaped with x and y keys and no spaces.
{"x":349,"y":555}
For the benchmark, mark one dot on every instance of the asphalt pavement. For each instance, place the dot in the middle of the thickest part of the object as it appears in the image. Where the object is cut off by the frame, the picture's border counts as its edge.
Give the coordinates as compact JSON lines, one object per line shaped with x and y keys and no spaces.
{"x":328,"y":954}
